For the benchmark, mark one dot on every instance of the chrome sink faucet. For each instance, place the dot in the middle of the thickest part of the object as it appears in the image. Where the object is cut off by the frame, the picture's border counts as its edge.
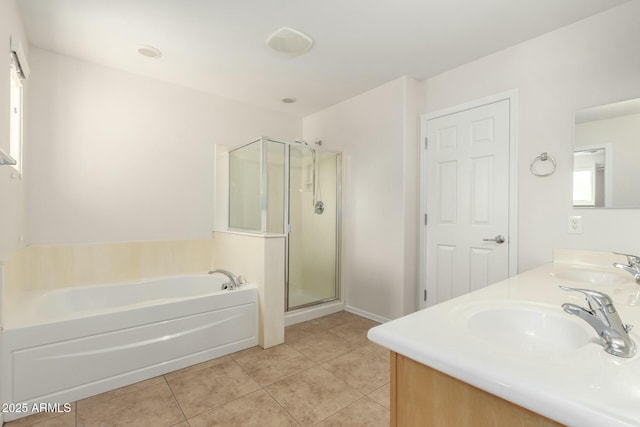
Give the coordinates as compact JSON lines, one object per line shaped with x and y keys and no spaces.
{"x":633,"y":266}
{"x":603,"y":317}
{"x":234,"y":281}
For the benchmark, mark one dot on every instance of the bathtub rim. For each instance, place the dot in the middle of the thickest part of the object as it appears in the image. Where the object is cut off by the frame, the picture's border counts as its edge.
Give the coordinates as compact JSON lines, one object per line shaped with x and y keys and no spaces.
{"x":15,"y":306}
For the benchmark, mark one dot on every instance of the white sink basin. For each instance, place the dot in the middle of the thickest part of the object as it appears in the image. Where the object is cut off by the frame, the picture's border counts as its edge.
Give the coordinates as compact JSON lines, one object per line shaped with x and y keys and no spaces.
{"x":528,"y":327}
{"x":590,"y":275}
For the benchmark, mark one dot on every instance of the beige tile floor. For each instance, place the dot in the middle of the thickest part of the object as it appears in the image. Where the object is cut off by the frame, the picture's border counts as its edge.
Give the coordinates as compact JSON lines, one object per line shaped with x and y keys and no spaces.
{"x":326,"y":373}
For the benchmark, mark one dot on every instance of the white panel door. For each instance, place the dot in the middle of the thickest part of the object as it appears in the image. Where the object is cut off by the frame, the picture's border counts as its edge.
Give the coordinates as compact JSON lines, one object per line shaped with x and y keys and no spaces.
{"x":467,"y":201}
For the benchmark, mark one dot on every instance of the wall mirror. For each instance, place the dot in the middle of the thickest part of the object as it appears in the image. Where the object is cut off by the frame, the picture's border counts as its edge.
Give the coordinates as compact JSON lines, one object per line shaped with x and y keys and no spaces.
{"x":606,"y":156}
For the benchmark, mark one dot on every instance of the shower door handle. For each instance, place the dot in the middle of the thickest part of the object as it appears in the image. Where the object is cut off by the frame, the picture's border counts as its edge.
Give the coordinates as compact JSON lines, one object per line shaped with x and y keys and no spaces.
{"x":499,"y":239}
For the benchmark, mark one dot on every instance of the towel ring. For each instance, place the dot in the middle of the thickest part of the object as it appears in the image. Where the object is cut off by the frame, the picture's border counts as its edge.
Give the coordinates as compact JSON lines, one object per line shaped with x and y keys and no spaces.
{"x":543,"y":157}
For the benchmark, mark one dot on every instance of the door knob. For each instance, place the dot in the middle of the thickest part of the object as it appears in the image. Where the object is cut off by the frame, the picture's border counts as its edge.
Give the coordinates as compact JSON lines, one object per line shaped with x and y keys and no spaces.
{"x":499,"y":239}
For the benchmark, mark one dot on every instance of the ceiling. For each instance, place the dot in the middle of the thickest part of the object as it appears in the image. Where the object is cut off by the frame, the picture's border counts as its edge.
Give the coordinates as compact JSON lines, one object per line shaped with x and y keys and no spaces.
{"x":218,"y":46}
{"x":608,"y":111}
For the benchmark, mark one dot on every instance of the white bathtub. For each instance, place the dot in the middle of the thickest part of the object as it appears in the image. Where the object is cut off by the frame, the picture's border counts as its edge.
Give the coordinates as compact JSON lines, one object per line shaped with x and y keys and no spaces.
{"x":72,"y":343}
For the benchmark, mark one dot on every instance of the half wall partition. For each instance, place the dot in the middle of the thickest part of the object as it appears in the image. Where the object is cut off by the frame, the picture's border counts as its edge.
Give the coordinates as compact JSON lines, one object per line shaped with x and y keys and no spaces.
{"x":292,"y":188}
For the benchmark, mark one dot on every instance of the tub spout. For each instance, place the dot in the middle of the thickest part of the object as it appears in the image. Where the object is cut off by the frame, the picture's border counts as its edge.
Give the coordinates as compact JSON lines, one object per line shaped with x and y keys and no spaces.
{"x":233,"y":279}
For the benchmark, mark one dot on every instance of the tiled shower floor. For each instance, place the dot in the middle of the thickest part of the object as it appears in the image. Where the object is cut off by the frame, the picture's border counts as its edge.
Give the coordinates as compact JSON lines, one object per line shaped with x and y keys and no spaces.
{"x":326,"y":373}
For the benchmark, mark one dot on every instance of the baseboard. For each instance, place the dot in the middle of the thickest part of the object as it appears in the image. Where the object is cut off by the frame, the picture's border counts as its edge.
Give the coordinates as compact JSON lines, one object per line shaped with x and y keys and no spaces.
{"x":363,"y":313}
{"x":311,"y":313}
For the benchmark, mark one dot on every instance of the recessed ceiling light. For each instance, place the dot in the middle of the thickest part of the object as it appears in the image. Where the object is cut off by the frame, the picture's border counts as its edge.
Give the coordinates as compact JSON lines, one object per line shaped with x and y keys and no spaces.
{"x":289,"y":41}
{"x":149,"y":51}
{"x":290,"y":100}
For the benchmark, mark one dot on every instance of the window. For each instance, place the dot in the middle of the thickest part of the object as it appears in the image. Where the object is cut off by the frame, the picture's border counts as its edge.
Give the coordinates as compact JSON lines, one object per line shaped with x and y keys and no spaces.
{"x":16,"y":106}
{"x":15,"y":123}
{"x":18,"y":72}
{"x":584,"y":187}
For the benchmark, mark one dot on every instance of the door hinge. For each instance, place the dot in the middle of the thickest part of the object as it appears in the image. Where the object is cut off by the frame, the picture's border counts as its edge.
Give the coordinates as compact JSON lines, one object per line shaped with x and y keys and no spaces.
{"x":426,"y":143}
{"x":425,"y":219}
{"x":425,"y":294}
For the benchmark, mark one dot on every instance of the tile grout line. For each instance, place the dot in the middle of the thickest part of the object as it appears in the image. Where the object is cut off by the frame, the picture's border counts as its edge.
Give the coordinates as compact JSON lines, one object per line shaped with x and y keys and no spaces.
{"x":117,"y":396}
{"x":281,"y":405}
{"x":286,"y":377}
{"x":324,"y":361}
{"x":376,"y":402}
{"x":220,"y":404}
{"x":341,"y":409}
{"x":281,"y":379}
{"x":347,"y":385}
{"x":293,"y":375}
{"x":176,"y":400}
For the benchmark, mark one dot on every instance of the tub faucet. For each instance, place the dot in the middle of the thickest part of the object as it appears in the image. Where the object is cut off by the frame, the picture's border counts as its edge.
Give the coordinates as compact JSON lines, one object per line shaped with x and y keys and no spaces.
{"x":603,"y":317}
{"x":633,"y":266}
{"x":234,"y":281}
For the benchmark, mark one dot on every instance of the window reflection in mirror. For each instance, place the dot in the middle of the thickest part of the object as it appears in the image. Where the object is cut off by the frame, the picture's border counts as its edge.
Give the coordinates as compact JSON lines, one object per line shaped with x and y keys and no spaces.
{"x":606,"y":156}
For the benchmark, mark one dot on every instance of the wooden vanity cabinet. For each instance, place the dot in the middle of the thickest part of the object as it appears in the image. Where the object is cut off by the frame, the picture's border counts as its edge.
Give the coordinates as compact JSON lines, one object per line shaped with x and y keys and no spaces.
{"x":424,"y":397}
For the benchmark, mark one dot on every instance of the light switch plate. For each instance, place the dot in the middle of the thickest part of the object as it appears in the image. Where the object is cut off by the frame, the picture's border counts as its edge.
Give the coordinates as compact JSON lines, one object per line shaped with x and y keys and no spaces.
{"x":575,"y":225}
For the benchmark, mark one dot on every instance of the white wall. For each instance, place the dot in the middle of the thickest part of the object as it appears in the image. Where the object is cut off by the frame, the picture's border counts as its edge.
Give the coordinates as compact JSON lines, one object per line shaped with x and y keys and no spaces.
{"x":11,"y":187}
{"x":592,"y":62}
{"x":112,"y":156}
{"x":375,"y":132}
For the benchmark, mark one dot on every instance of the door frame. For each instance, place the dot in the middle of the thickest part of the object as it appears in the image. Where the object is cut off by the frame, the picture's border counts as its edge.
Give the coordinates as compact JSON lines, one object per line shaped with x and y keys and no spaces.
{"x":338,"y":232}
{"x":512,"y":97}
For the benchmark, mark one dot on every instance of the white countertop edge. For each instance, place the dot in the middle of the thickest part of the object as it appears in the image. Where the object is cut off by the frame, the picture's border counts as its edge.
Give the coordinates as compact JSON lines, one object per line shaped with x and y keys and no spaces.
{"x":558,"y":408}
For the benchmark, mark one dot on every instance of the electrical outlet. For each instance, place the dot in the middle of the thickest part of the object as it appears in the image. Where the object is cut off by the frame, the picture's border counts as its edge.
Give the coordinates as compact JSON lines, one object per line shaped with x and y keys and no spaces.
{"x":575,"y":225}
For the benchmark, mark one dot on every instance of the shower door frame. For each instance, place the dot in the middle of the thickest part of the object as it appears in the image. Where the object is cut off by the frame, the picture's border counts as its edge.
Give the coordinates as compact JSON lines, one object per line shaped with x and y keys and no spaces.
{"x":286,"y":208}
{"x":337,"y":254}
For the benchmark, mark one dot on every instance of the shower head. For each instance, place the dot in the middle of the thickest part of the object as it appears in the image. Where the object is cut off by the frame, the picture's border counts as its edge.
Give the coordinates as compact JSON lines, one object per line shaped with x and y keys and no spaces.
{"x":317,"y":144}
{"x":303,"y":142}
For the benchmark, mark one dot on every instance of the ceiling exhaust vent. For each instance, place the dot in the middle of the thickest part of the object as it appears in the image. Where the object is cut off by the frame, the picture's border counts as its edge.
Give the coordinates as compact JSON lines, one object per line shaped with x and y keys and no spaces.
{"x":289,"y":41}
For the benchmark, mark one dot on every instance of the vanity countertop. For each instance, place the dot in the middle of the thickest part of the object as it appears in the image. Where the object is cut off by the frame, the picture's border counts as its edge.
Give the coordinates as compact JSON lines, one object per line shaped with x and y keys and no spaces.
{"x":574,"y":384}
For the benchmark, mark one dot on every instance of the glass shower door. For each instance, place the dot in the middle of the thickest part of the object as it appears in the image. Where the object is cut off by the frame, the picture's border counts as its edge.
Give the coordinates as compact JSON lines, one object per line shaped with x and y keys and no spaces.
{"x":313,"y":235}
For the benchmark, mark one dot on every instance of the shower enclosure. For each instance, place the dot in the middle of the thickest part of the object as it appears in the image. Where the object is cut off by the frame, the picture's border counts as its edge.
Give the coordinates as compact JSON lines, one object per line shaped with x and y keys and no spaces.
{"x":292,"y":188}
